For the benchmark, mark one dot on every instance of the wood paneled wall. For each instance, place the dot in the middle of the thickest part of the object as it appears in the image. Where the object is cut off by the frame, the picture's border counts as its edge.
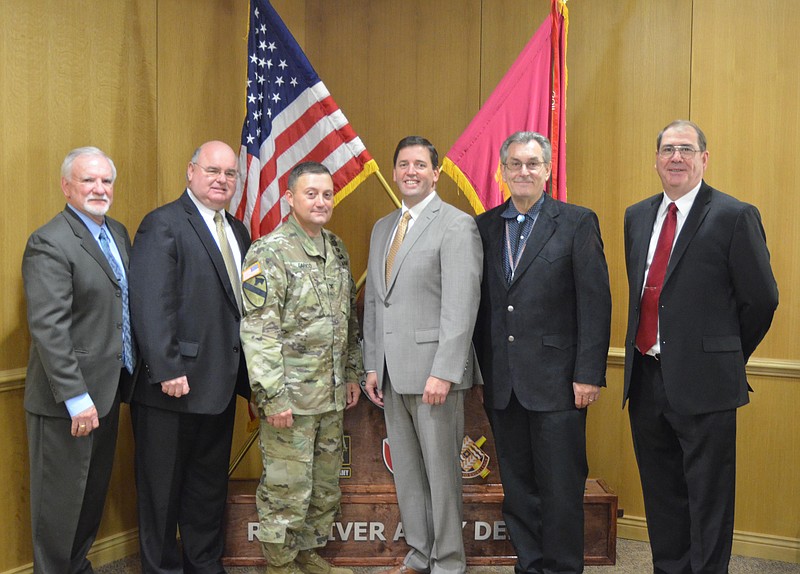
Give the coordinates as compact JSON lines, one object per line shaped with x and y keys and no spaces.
{"x":149,"y":80}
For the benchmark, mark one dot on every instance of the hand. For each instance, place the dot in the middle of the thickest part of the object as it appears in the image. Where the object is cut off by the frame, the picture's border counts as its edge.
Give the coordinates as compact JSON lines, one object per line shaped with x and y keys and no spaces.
{"x":175,"y":387}
{"x":436,"y":390}
{"x":585,"y":394}
{"x":85,"y":422}
{"x":282,"y":420}
{"x":371,"y":386}
{"x":352,"y":392}
{"x":478,"y":390}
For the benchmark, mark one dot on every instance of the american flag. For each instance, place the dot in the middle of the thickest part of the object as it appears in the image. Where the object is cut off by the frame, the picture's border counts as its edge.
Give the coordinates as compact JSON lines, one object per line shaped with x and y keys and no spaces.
{"x":291,"y":117}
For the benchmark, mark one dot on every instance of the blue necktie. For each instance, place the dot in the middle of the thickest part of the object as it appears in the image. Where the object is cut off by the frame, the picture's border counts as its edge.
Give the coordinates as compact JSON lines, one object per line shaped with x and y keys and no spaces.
{"x":127,"y":343}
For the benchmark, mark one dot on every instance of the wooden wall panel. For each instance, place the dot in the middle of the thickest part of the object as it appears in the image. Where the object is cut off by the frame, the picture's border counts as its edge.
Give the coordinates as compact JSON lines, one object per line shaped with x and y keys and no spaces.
{"x":75,"y":73}
{"x":395,"y":69}
{"x":745,"y":94}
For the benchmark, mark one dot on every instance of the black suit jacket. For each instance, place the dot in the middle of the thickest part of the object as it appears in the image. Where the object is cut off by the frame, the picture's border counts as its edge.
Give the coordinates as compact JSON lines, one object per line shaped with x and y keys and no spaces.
{"x":74,"y":317}
{"x":184,"y":311}
{"x":557,"y":309}
{"x":717,"y":302}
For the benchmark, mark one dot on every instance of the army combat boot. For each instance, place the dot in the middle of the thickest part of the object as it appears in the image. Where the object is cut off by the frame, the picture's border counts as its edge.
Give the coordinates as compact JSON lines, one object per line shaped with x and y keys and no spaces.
{"x":310,"y":562}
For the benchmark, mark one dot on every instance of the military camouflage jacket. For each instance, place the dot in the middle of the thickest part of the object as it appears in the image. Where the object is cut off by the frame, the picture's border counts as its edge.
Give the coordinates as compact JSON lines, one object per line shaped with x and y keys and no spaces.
{"x":300,"y":330}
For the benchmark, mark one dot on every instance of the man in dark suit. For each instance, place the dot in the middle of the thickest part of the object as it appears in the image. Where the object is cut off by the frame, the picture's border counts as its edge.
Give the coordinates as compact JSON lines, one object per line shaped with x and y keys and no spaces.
{"x":423,"y":284}
{"x":186,"y":304}
{"x":75,"y":271}
{"x":542,"y":339}
{"x":702,"y":296}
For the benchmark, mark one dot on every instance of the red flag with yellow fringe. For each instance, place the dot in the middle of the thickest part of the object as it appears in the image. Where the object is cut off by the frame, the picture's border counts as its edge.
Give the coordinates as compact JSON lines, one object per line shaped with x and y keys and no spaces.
{"x":530,"y":97}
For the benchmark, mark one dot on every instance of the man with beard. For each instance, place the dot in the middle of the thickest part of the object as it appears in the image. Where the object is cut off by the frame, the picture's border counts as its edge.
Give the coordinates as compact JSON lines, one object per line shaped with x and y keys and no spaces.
{"x":75,"y":272}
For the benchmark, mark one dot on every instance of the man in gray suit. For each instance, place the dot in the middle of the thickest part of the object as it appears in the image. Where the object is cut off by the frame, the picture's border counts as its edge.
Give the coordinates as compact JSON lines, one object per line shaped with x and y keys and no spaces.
{"x":82,"y":358}
{"x":422,"y":292}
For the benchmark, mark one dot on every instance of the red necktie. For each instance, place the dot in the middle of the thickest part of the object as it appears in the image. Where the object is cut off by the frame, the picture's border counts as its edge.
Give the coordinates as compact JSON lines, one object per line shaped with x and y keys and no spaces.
{"x":648,"y":311}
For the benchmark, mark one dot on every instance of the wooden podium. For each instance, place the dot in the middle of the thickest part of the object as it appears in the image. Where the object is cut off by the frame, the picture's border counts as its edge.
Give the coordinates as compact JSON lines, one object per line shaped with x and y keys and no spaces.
{"x":369,"y":532}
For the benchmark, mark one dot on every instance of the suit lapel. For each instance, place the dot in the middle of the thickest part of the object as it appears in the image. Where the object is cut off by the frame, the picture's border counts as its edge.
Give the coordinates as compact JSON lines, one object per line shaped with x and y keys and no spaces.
{"x":496,"y":235}
{"x":641,"y":241}
{"x":119,"y":239}
{"x":413,"y":235}
{"x":543,"y":229}
{"x":199,"y":225}
{"x":89,"y":243}
{"x":698,"y":212}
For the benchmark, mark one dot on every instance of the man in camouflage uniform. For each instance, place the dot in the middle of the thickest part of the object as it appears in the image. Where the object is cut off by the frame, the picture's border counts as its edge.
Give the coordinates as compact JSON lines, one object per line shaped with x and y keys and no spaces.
{"x":300,"y":338}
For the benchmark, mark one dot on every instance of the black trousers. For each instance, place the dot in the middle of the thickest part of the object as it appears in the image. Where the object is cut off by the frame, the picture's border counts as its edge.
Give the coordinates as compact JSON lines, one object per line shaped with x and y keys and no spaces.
{"x":687,"y":465}
{"x":542,"y":458}
{"x":182,"y":483}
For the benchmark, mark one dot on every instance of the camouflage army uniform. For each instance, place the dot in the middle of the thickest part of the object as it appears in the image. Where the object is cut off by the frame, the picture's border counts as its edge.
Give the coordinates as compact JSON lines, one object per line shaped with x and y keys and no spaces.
{"x":300,"y":338}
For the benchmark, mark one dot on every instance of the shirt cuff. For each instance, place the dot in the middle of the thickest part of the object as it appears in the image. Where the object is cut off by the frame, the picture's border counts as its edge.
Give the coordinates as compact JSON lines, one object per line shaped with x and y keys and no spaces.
{"x":77,"y":405}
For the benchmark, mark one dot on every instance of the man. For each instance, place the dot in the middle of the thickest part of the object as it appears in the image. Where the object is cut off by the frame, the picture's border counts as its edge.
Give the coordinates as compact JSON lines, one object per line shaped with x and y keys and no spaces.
{"x":694,"y":318}
{"x":542,"y":339}
{"x":75,"y":271}
{"x":423,"y":285}
{"x":300,"y":337}
{"x":186,"y":301}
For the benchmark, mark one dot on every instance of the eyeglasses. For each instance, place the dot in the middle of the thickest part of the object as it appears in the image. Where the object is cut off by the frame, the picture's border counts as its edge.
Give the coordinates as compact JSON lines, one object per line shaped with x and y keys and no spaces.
{"x":686,"y":151}
{"x":214,"y":171}
{"x":516,"y":165}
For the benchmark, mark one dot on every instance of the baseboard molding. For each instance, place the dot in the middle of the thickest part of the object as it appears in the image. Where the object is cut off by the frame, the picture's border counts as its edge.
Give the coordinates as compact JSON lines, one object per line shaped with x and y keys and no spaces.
{"x":104,"y":551}
{"x":749,"y":544}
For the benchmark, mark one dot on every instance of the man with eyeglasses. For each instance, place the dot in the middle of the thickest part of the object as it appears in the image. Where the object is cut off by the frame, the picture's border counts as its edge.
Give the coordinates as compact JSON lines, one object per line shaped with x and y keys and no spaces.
{"x":186,"y":302}
{"x":542,"y":338}
{"x":701,"y":298}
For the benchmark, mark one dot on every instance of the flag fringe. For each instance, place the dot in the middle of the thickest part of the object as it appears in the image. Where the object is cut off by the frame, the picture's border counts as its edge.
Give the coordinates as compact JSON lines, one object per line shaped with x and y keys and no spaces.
{"x":369,"y":168}
{"x":463,"y":184}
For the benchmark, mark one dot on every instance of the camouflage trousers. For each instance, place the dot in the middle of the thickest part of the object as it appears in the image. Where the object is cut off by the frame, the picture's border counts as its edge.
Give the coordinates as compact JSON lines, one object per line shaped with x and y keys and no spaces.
{"x":298,"y":496}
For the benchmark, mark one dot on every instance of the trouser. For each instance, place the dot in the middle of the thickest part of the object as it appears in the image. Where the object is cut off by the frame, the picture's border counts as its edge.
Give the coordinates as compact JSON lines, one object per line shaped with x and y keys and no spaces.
{"x":298,"y":496}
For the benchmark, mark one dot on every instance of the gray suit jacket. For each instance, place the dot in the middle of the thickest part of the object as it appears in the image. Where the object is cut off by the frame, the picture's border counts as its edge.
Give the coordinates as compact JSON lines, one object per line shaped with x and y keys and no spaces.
{"x":421,"y":323}
{"x":74,"y":316}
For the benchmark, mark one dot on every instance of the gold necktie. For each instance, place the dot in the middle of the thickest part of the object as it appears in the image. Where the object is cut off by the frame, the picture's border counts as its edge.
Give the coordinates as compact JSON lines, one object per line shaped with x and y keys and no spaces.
{"x":396,"y":242}
{"x":227,"y":256}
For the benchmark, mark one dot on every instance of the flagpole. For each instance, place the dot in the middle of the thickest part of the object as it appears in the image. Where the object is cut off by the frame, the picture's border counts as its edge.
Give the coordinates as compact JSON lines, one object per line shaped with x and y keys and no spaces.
{"x":388,"y":189}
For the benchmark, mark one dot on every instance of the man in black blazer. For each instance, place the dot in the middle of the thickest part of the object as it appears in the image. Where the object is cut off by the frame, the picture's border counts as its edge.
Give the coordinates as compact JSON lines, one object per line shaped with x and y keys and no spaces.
{"x":186,"y":304}
{"x":542,"y":338}
{"x":690,"y":334}
{"x":75,"y":271}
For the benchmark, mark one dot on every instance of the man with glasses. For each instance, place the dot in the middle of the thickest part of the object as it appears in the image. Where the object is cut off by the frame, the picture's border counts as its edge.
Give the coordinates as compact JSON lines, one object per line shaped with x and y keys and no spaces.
{"x":186,"y":303}
{"x":542,"y":338}
{"x":701,"y":298}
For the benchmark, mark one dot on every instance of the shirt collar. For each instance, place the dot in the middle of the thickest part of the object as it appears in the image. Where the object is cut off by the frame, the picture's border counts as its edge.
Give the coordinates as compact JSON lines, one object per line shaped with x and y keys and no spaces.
{"x":94,"y":227}
{"x":204,"y":210}
{"x":417,"y":210}
{"x":684,"y":203}
{"x":511,"y":211}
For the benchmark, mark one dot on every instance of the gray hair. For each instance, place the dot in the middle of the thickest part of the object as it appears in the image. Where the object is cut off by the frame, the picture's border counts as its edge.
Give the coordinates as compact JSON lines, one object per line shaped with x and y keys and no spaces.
{"x":701,"y":137}
{"x":524,"y":138}
{"x":66,"y":166}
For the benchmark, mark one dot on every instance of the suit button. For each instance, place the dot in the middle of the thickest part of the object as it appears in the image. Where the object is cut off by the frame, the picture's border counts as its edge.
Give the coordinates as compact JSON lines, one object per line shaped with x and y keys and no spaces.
{"x":510,"y":308}
{"x":511,"y":338}
{"x":236,"y":349}
{"x":386,"y":304}
{"x":119,"y":357}
{"x":119,"y":325}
